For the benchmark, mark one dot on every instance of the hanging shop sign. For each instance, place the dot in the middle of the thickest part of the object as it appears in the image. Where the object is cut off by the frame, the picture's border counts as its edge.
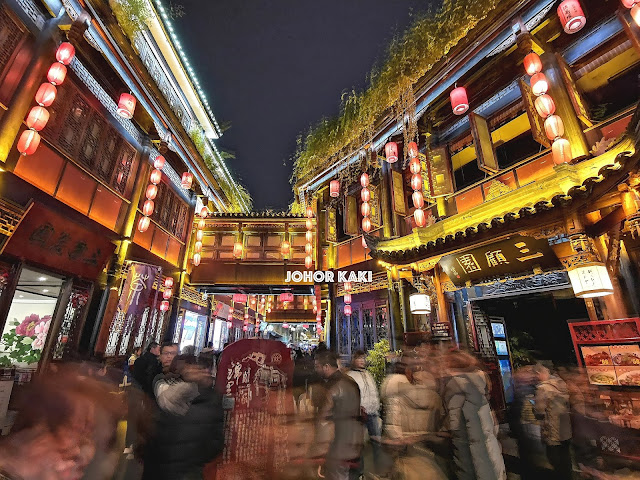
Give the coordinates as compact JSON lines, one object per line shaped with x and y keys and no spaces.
{"x":350,"y":223}
{"x":439,"y":171}
{"x":578,"y":102}
{"x":536,"y":121}
{"x":376,"y":215}
{"x":441,"y":330}
{"x":332,"y":228}
{"x":137,"y":288}
{"x":483,"y":144}
{"x":51,"y":239}
{"x":515,"y":255}
{"x":399,"y":203}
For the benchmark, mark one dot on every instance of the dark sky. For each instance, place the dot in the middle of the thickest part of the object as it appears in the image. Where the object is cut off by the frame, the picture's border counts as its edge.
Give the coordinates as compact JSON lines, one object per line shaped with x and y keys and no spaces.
{"x":272,"y":68}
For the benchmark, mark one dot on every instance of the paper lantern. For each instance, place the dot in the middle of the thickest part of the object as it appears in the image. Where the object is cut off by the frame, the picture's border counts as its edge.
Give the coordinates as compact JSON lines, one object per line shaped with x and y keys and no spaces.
{"x":414,"y":166}
{"x":309,"y":224}
{"x":159,"y":162}
{"x":635,"y":14}
{"x":239,"y":298}
{"x":201,"y":224}
{"x":590,"y":280}
{"x":571,"y":16}
{"x":420,"y":218}
{"x":629,"y":3}
{"x":347,"y":298}
{"x":416,"y":182}
{"x":545,"y":106}
{"x":309,"y":236}
{"x":166,"y":294}
{"x":308,"y":261}
{"x":204,"y":212}
{"x":197,"y":247}
{"x":65,"y":53}
{"x":245,"y":328}
{"x":539,"y":84}
{"x":365,"y":209}
{"x":187,"y":180}
{"x":196,"y":259}
{"x":285,"y":325}
{"x":246,"y":316}
{"x":365,"y":194}
{"x":143,"y":224}
{"x":168,"y":282}
{"x":419,"y":303}
{"x":285,"y":248}
{"x":57,"y":73}
{"x":28,"y":142}
{"x":164,"y":306}
{"x":229,"y":324}
{"x":308,"y":248}
{"x":237,"y":250}
{"x":346,"y":286}
{"x":532,"y":64}
{"x":391,"y":152}
{"x":561,"y":151}
{"x":155,"y":177}
{"x":46,"y":94}
{"x":309,"y":212}
{"x":553,"y":127}
{"x":364,"y":180}
{"x":152,"y":191}
{"x":459,"y":100}
{"x":126,"y":105}
{"x":334,"y":188}
{"x":37,"y":118}
{"x":412,"y":150}
{"x":199,"y":235}
{"x":418,"y":199}
{"x":347,"y":310}
{"x":366,"y":224}
{"x":147,"y":208}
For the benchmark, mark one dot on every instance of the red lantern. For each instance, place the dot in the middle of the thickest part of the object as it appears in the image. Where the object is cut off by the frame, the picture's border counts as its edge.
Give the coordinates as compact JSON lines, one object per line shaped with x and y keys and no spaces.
{"x":309,"y":236}
{"x":365,"y":195}
{"x":46,"y":94}
{"x":420,"y":218}
{"x":571,"y":16}
{"x":418,"y":199}
{"x":539,"y":84}
{"x":196,"y":259}
{"x":629,"y":3}
{"x":201,"y":224}
{"x":416,"y":182}
{"x":412,"y":149}
{"x":65,"y":53}
{"x":635,"y":14}
{"x":126,"y":105}
{"x":561,"y":150}
{"x":152,"y":191}
{"x":347,"y":310}
{"x":143,"y":224}
{"x":545,"y":106}
{"x":197,"y":247}
{"x":204,"y":212}
{"x":334,"y":188}
{"x":346,"y":286}
{"x":37,"y":118}
{"x":159,"y":162}
{"x":187,"y":180}
{"x":229,"y":324}
{"x":245,"y":328}
{"x":155,"y":177}
{"x":57,"y":73}
{"x":364,"y":180}
{"x":164,"y":306}
{"x":459,"y":100}
{"x":168,"y":282}
{"x":309,"y":212}
{"x":309,"y":224}
{"x":532,"y":64}
{"x":554,"y":127}
{"x":308,"y":261}
{"x":237,"y":250}
{"x":147,"y":208}
{"x":308,"y":248}
{"x":285,"y":325}
{"x":28,"y":142}
{"x":347,"y":298}
{"x":199,"y":235}
{"x":285,"y":248}
{"x":366,"y":224}
{"x":414,"y":166}
{"x":166,"y":294}
{"x":391,"y":152}
{"x":365,"y":209}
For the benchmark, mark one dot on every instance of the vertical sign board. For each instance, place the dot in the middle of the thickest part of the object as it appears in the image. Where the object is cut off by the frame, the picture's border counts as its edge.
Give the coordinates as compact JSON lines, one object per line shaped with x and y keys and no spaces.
{"x":483,"y":144}
{"x":350,"y":215}
{"x":332,"y":230}
{"x":579,"y":105}
{"x":440,"y":175}
{"x":254,"y":376}
{"x":376,"y":217}
{"x":535,"y":121}
{"x":399,"y":202}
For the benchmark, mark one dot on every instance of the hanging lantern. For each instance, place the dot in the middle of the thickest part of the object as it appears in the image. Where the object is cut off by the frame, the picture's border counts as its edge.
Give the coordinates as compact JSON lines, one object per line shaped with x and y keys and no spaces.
{"x":229,"y":324}
{"x":590,"y":280}
{"x":285,"y":248}
{"x":416,"y":182}
{"x":554,"y":127}
{"x":545,"y":106}
{"x":126,"y":105}
{"x":532,"y":64}
{"x":366,"y":224}
{"x":201,"y":224}
{"x":46,"y":94}
{"x":346,"y":286}
{"x":148,"y":207}
{"x":365,"y":209}
{"x":308,"y":249}
{"x":199,"y":235}
{"x":418,"y":199}
{"x":246,"y":316}
{"x":57,"y":73}
{"x":420,"y":218}
{"x":155,"y":177}
{"x":197,"y":247}
{"x":309,"y":236}
{"x":245,"y":328}
{"x":629,"y":3}
{"x":347,"y":298}
{"x":539,"y":84}
{"x":334,"y":188}
{"x":414,"y":166}
{"x":420,"y":303}
{"x":196,"y":259}
{"x":364,"y":180}
{"x":285,"y":325}
{"x":309,"y":212}
{"x":309,"y":224}
{"x":391,"y":152}
{"x":37,"y":118}
{"x":308,"y":261}
{"x":164,"y":306}
{"x":412,"y":149}
{"x":168,"y":282}
{"x":364,"y":242}
{"x":159,"y":162}
{"x":166,"y":294}
{"x":635,"y":14}
{"x":143,"y":224}
{"x":459,"y":100}
{"x":365,"y":194}
{"x":561,"y":151}
{"x":28,"y":142}
{"x":152,"y":191}
{"x":347,"y":310}
{"x":237,"y":250}
{"x":571,"y":16}
{"x":65,"y":53}
{"x":187,"y":180}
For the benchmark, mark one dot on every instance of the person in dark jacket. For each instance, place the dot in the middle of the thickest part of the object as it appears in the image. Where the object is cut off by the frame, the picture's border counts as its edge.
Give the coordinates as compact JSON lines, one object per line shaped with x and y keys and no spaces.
{"x":146,"y":368}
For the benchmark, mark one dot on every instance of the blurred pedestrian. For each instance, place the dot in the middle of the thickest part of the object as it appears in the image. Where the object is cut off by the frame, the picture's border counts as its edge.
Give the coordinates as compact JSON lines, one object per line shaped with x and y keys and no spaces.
{"x":146,"y":368}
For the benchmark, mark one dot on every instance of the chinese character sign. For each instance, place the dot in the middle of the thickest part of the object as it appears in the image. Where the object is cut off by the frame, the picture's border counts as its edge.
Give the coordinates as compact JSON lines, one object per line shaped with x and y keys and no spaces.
{"x":137,"y":288}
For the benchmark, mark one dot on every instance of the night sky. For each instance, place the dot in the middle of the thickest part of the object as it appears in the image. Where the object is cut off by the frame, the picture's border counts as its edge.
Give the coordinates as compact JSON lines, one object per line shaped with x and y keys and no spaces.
{"x":272,"y":68}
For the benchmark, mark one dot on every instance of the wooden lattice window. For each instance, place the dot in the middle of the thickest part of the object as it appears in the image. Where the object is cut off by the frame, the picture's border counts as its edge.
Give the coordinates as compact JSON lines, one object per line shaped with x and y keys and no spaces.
{"x":170,"y":212}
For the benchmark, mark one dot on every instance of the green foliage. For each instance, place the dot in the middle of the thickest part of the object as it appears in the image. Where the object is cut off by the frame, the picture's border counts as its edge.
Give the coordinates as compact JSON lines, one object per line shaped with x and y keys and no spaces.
{"x":409,"y":59}
{"x":377,"y":360}
{"x":132,"y":15}
{"x":521,"y":354}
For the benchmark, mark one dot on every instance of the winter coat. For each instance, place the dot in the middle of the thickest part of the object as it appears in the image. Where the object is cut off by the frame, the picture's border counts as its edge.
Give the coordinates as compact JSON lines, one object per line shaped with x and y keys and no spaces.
{"x":145,"y":370}
{"x":477,"y":453}
{"x":411,"y":409}
{"x":552,"y":406}
{"x":369,"y":399}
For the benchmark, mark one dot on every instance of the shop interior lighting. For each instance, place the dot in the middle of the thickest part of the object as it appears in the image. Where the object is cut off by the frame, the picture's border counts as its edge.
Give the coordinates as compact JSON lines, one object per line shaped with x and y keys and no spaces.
{"x":42,"y":279}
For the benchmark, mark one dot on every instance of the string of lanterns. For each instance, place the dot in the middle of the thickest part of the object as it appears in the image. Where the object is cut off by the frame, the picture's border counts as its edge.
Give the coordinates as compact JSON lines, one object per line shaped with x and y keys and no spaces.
{"x":347,"y":298}
{"x":38,"y":116}
{"x":197,"y":247}
{"x":365,"y":208}
{"x":308,"y":248}
{"x":152,"y":191}
{"x":546,"y":108}
{"x":166,"y":294}
{"x":416,"y":184}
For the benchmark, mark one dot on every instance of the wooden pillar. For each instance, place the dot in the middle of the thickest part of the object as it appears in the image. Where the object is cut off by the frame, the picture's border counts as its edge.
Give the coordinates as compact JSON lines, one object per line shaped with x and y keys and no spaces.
{"x":443,"y":311}
{"x":630,"y":28}
{"x":395,"y":316}
{"x":591,"y":309}
{"x":388,"y":229}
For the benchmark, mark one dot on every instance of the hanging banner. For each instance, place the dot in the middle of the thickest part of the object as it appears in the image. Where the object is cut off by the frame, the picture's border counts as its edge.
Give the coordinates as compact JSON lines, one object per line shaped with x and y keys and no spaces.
{"x":332,"y":228}
{"x":483,"y":144}
{"x":399,"y":203}
{"x":137,"y":288}
{"x":350,"y":224}
{"x":440,"y":175}
{"x":578,"y":102}
{"x":376,"y":214}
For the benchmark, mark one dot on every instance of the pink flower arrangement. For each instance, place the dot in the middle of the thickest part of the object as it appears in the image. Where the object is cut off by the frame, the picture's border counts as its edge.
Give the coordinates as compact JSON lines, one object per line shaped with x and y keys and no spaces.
{"x":41,"y":333}
{"x":28,"y":326}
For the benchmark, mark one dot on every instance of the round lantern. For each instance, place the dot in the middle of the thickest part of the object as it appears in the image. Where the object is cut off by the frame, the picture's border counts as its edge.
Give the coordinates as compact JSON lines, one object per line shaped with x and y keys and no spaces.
{"x":416,"y":182}
{"x":309,"y":236}
{"x":308,"y":249}
{"x":629,"y":3}
{"x":187,"y":180}
{"x":347,"y":298}
{"x":420,"y":218}
{"x":196,"y":259}
{"x":155,"y":177}
{"x":152,"y":191}
{"x":365,"y":209}
{"x":143,"y":224}
{"x":28,"y":142}
{"x":57,"y":73}
{"x":199,"y":235}
{"x":590,"y":280}
{"x":418,"y":199}
{"x":553,"y":127}
{"x":245,"y":328}
{"x":308,"y":261}
{"x":391,"y":152}
{"x":164,"y":306}
{"x":37,"y":118}
{"x":635,"y":14}
{"x":159,"y":162}
{"x":419,"y":303}
{"x":65,"y":53}
{"x":414,"y":166}
{"x":545,"y":106}
{"x":126,"y":105}
{"x":168,"y":282}
{"x":197,"y":247}
{"x":459,"y":100}
{"x":571,"y":16}
{"x":204,"y":212}
{"x":46,"y":94}
{"x":539,"y":84}
{"x":166,"y":294}
{"x":366,"y":224}
{"x":309,"y":212}
{"x":237,"y":250}
{"x":364,"y":180}
{"x":346,"y":286}
{"x":561,"y":151}
{"x":412,"y":150}
{"x":309,"y":224}
{"x":365,"y":194}
{"x":201,"y":224}
{"x":148,"y":207}
{"x":246,"y":316}
{"x":532,"y":64}
{"x":334,"y":188}
{"x":347,"y":310}
{"x":285,"y":248}
{"x":285,"y":325}
{"x":229,"y":324}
